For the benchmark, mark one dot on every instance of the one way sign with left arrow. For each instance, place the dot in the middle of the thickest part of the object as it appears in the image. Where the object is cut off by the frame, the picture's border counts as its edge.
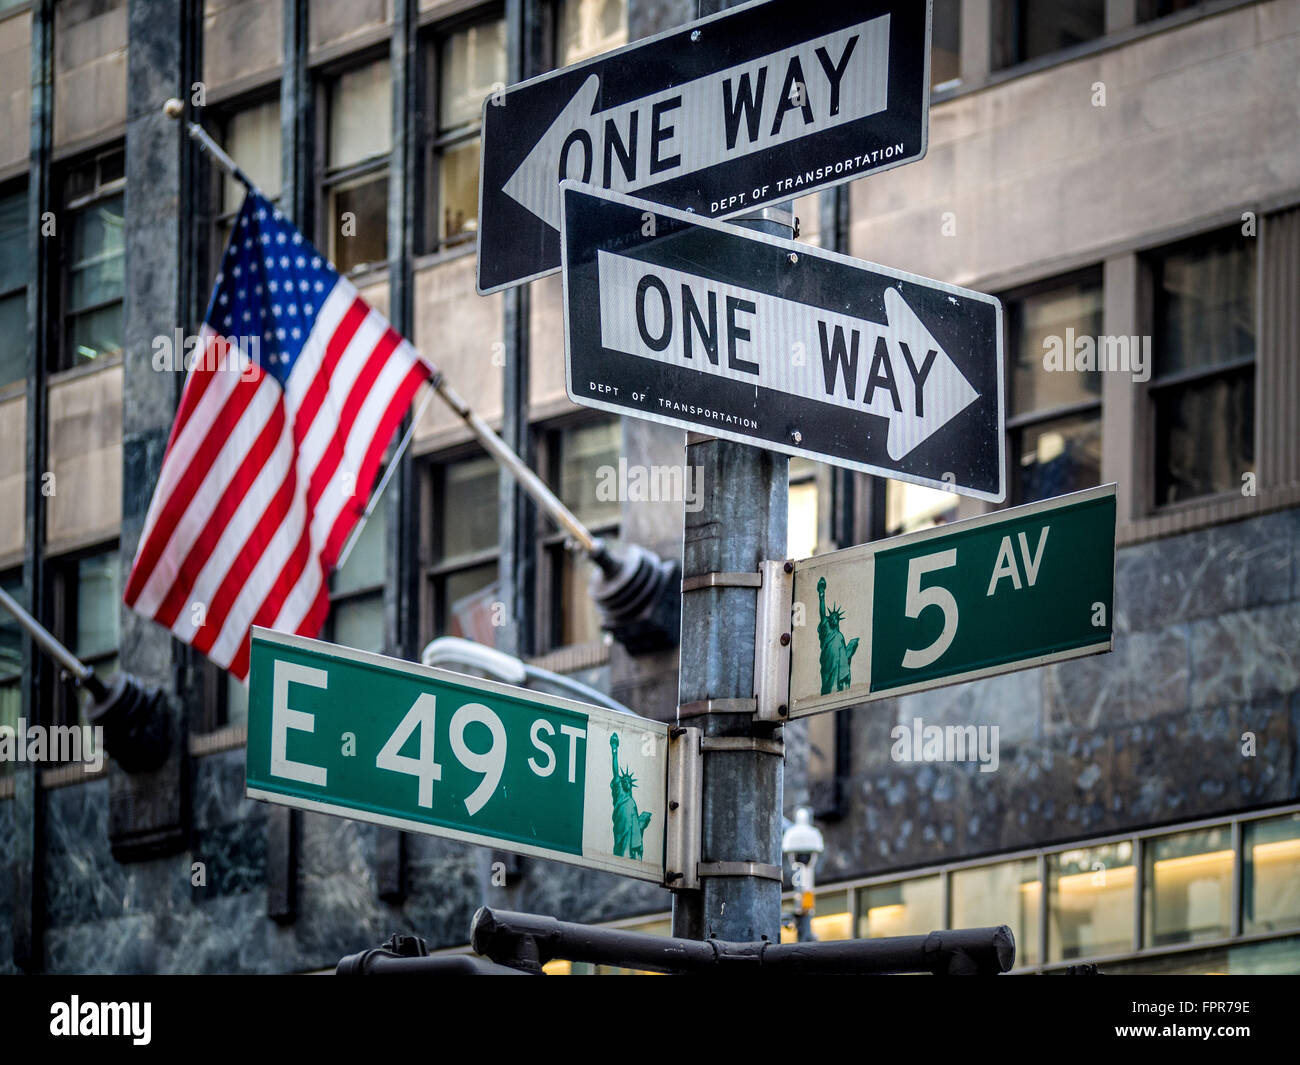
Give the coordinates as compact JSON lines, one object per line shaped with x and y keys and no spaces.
{"x":755,"y":105}
{"x":734,"y":333}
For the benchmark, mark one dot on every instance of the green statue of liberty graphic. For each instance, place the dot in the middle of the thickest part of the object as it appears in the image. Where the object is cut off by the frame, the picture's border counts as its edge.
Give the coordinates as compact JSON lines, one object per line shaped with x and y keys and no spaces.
{"x":837,"y":655}
{"x":629,"y":823}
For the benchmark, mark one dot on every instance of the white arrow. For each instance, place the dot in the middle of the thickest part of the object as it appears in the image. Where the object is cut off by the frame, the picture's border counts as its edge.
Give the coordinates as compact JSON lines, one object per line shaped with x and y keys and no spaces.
{"x":895,"y":370}
{"x":808,"y":88}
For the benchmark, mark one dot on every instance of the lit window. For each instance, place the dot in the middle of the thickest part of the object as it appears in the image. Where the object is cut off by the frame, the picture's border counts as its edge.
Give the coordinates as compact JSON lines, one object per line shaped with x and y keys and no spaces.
{"x":471,"y":65}
{"x":1007,"y":894}
{"x":1090,"y":901}
{"x":94,"y":260}
{"x":577,"y":454}
{"x":13,"y":288}
{"x":905,"y":908}
{"x":356,"y":178}
{"x":911,"y":507}
{"x":1203,"y":386}
{"x":462,"y":575}
{"x":801,"y":516}
{"x":586,"y":28}
{"x":1027,"y":29}
{"x":1270,"y":895}
{"x":1187,"y":887}
{"x":1055,"y":416}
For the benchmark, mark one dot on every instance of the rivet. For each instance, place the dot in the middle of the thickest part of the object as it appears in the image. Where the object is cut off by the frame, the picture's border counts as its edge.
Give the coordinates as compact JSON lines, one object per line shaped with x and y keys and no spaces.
{"x":785,"y":639}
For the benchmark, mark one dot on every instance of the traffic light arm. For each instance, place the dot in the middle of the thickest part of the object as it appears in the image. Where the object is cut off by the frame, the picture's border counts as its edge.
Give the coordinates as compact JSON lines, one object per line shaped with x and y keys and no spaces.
{"x":527,"y":942}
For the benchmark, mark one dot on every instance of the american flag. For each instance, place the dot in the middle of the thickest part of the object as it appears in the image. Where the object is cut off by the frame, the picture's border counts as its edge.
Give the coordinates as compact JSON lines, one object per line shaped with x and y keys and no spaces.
{"x":294,"y":394}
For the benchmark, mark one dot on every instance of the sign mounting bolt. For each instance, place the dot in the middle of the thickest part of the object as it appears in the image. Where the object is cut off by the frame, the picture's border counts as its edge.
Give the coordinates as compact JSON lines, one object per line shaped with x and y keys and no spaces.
{"x":785,"y":639}
{"x":794,"y":257}
{"x":695,"y":35}
{"x":797,"y":437}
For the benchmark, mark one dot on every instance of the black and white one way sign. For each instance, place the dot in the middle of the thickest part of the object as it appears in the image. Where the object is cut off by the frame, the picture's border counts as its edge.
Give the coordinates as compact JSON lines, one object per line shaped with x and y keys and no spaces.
{"x":755,"y":105}
{"x":710,"y":326}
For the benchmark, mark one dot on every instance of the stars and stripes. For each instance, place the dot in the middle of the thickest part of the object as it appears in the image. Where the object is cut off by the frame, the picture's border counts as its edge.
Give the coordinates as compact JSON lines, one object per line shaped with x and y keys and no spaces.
{"x":286,"y":412}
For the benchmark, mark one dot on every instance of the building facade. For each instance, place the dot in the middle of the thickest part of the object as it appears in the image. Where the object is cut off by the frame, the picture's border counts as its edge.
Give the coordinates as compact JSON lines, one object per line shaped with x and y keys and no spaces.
{"x":1124,"y":174}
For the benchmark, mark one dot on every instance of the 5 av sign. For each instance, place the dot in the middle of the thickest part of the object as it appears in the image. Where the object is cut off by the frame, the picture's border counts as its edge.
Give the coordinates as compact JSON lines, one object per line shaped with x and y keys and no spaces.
{"x":1003,"y":592}
{"x":751,"y":106}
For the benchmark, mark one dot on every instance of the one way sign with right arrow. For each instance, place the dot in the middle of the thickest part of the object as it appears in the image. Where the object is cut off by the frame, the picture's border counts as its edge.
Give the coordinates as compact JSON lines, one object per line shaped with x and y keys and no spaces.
{"x":737,"y":334}
{"x":755,"y":105}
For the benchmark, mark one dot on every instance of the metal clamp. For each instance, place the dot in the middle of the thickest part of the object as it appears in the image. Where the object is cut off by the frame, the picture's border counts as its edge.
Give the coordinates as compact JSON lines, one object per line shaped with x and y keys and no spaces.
{"x":759,"y":869}
{"x":772,"y":640}
{"x":685,"y":832}
{"x":743,"y":743}
{"x":715,"y":706}
{"x":721,"y":580}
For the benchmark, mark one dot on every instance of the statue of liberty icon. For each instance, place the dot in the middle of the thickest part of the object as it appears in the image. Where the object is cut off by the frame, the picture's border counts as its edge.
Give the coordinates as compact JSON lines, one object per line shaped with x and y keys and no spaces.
{"x":837,"y":655}
{"x":629,"y":823}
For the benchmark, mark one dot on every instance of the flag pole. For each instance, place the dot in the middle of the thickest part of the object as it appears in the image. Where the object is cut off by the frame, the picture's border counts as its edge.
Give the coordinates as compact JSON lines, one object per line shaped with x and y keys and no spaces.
{"x":580,"y":536}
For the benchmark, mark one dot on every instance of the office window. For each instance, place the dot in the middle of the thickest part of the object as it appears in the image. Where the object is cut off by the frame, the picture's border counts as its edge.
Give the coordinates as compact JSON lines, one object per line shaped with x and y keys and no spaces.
{"x":586,"y":28}
{"x":1054,"y":423}
{"x":462,"y":572}
{"x":470,"y":63}
{"x":252,"y":138}
{"x":575,"y":457}
{"x":356,"y":617}
{"x":1090,"y":901}
{"x":1187,"y":887}
{"x":1027,"y":29}
{"x":11,"y":662}
{"x":1009,"y":894}
{"x":904,"y":908}
{"x":945,"y":44}
{"x":832,"y":918}
{"x":801,"y":517}
{"x":93,"y":259}
{"x":359,"y":139}
{"x":13,"y":287}
{"x":1203,"y":386}
{"x":1270,"y":893}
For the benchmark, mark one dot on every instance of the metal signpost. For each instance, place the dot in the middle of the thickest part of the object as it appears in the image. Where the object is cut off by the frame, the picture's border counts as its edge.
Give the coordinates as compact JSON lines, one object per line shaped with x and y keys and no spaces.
{"x":1007,"y":591}
{"x":358,"y":735}
{"x":745,"y":108}
{"x":746,"y":336}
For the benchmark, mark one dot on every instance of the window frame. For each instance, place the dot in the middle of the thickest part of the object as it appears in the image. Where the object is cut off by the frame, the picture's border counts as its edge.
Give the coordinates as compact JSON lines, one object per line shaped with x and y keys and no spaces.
{"x":1017,"y":424}
{"x":437,"y":142}
{"x":1152,"y":263}
{"x":62,"y":707}
{"x":331,"y":180}
{"x":434,"y":571}
{"x":17,"y":188}
{"x":551,"y":540}
{"x":61,"y":353}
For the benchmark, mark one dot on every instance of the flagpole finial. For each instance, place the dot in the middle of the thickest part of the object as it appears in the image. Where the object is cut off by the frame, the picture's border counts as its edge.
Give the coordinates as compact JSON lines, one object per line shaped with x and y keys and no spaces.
{"x":174,"y":108}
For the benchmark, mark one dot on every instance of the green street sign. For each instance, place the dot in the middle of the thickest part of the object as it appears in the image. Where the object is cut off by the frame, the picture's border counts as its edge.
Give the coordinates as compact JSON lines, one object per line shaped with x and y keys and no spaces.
{"x":994,"y":594}
{"x":358,"y":735}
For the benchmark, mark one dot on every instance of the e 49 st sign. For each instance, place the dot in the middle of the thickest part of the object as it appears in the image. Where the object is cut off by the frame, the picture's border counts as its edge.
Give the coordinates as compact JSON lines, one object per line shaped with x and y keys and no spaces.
{"x":1002,"y":592}
{"x":754,"y":105}
{"x":358,"y":735}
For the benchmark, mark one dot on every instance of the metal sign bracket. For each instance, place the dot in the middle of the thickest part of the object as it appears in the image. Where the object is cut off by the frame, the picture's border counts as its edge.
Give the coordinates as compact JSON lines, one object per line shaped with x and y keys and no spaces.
{"x":684,"y":837}
{"x":772,"y":642}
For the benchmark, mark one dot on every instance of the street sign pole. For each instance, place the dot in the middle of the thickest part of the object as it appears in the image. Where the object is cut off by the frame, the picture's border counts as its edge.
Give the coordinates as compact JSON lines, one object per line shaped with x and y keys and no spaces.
{"x":742,"y":522}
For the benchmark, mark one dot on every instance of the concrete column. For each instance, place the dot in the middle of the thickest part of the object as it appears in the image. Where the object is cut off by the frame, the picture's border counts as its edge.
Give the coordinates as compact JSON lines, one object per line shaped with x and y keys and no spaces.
{"x":1124,"y":437}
